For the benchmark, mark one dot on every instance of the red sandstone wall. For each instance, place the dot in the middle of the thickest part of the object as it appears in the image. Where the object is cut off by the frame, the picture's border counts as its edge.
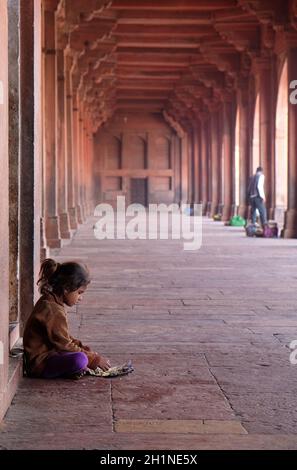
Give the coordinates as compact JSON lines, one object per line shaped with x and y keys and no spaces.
{"x":37,"y":140}
{"x":4,"y":236}
{"x":134,"y":146}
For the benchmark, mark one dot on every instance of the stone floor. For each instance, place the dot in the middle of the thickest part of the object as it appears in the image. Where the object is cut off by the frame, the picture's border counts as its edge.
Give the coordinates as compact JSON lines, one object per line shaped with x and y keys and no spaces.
{"x":208,"y":332}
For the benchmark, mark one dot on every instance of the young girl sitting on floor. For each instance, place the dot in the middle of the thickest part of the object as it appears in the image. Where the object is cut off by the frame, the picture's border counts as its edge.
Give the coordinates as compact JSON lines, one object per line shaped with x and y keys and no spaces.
{"x":50,"y":351}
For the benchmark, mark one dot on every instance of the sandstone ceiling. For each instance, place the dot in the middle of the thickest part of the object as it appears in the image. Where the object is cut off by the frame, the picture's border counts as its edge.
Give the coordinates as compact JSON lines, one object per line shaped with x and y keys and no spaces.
{"x":178,"y":57}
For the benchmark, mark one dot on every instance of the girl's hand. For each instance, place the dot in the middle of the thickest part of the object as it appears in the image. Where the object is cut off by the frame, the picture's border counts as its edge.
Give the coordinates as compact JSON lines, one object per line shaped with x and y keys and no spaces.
{"x":100,"y":361}
{"x":104,"y":363}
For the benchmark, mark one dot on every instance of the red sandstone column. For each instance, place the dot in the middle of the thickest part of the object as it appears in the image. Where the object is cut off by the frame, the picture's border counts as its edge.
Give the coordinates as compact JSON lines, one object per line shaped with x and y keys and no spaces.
{"x":215,"y":157}
{"x":43,"y":246}
{"x":30,"y":152}
{"x":89,"y":185}
{"x":220,"y":162}
{"x":87,"y":164}
{"x":68,"y":142}
{"x":264,"y":71}
{"x":60,"y":144}
{"x":290,"y":229}
{"x":76,"y":153}
{"x":98,"y":197}
{"x":228,"y":161}
{"x":4,"y":204}
{"x":190,"y":167}
{"x":204,"y":163}
{"x":184,"y":168}
{"x":196,"y":170}
{"x":38,"y":141}
{"x":14,"y":113}
{"x":52,"y":229}
{"x":81,"y":166}
{"x":91,"y":171}
{"x":176,"y":152}
{"x":244,"y":147}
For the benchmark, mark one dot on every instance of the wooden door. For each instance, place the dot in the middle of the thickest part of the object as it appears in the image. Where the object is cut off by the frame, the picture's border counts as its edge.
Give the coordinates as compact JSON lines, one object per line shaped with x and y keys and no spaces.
{"x":139,"y":191}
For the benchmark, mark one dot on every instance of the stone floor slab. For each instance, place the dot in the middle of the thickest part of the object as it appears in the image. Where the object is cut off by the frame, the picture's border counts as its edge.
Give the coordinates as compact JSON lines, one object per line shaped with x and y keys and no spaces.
{"x":208,"y":336}
{"x":181,"y":426}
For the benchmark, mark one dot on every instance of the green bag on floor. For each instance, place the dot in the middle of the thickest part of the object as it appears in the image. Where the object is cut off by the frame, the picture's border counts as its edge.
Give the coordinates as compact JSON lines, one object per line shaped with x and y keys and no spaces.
{"x":237,"y":221}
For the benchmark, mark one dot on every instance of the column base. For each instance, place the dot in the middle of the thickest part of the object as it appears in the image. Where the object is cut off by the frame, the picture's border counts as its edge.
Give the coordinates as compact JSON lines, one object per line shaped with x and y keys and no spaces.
{"x":290,"y":227}
{"x":83,"y":211}
{"x":79,"y":214}
{"x":64,"y":225}
{"x":208,"y":209}
{"x":234,"y":210}
{"x":204,"y":207}
{"x":270,"y":213}
{"x":243,"y":211}
{"x":226,"y":214}
{"x":220,"y":208}
{"x":43,"y":249}
{"x":43,"y":254}
{"x":214,"y":209}
{"x":52,"y":232}
{"x":92,"y":208}
{"x":15,"y":376}
{"x":87,"y":209}
{"x":279,"y":217}
{"x":73,"y":218}
{"x":54,"y":243}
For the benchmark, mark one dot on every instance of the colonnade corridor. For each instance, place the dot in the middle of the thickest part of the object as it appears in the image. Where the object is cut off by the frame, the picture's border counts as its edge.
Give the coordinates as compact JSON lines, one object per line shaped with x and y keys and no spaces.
{"x":208,"y":333}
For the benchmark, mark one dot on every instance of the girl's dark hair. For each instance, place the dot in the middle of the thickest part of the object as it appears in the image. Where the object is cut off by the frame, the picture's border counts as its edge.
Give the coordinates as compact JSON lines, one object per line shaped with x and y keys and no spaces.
{"x":55,"y":277}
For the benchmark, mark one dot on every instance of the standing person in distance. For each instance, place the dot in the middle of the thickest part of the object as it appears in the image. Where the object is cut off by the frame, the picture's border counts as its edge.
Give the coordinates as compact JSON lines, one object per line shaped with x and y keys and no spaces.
{"x":256,"y":196}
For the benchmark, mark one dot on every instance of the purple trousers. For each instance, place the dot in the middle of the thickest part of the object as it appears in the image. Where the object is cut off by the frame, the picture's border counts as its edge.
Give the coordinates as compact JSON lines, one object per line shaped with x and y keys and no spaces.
{"x":64,"y":364}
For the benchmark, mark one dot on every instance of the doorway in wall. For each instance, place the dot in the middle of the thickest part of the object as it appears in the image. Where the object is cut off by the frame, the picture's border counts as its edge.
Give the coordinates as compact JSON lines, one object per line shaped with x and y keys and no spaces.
{"x":139,"y":191}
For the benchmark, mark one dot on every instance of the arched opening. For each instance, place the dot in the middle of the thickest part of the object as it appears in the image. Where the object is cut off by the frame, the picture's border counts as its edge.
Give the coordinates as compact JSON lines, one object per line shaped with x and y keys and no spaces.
{"x":237,"y":160}
{"x":281,"y":148}
{"x":256,"y":136}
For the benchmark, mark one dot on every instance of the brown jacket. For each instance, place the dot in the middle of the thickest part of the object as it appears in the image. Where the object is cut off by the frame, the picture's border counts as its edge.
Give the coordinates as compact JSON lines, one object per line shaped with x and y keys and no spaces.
{"x":46,"y":333}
